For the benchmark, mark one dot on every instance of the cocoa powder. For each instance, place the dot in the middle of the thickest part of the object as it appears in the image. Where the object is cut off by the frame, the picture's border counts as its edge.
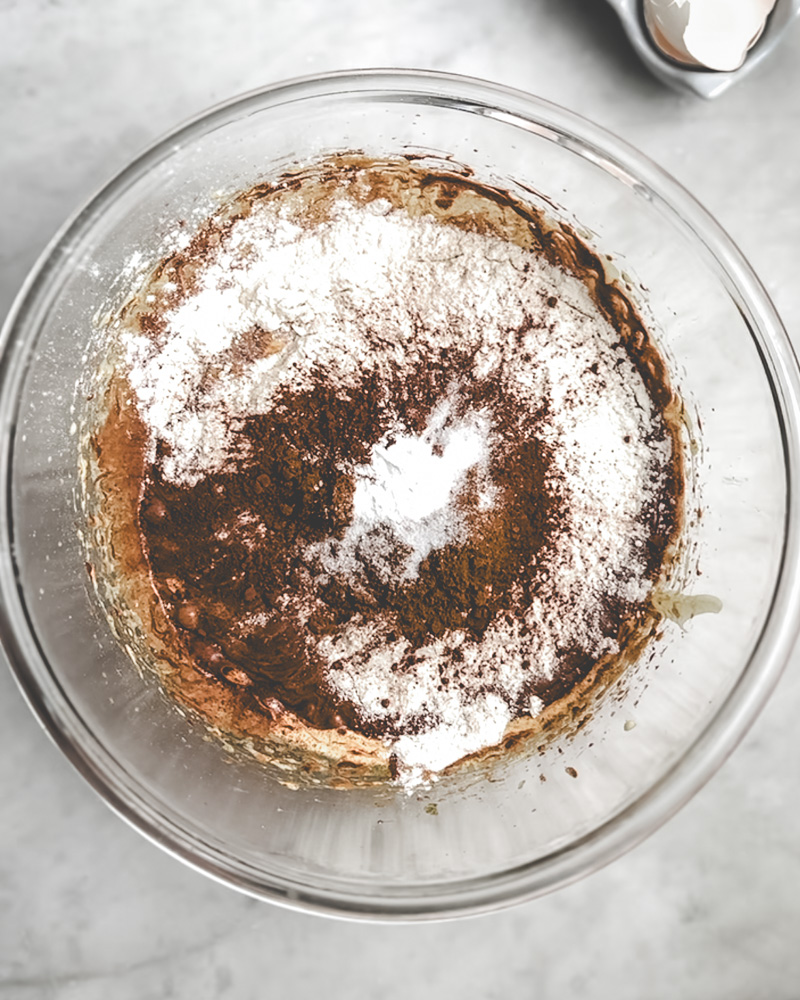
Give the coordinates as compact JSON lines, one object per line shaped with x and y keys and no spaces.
{"x":211,"y":572}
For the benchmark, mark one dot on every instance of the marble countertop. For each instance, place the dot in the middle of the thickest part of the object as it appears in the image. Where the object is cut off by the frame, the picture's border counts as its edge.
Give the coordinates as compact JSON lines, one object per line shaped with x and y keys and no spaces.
{"x":707,"y":907}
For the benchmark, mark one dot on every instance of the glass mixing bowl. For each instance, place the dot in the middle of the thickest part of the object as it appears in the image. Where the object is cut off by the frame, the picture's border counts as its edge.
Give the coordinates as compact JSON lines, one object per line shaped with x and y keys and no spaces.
{"x":468,"y":843}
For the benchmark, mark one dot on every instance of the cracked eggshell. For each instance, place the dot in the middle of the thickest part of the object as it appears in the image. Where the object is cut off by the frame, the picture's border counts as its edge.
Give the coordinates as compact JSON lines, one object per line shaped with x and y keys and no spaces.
{"x":715,"y":34}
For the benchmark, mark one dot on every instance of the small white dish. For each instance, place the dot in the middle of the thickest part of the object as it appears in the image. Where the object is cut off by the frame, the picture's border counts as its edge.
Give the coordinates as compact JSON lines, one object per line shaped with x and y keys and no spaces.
{"x":703,"y":82}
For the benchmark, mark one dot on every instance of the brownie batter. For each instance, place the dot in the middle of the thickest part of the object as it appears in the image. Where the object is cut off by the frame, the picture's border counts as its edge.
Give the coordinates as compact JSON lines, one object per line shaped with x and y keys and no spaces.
{"x":234,"y":583}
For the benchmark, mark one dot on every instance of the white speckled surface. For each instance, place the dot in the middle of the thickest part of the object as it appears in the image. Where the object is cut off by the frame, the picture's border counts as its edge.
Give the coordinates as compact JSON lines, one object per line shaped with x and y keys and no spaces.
{"x":709,"y":906}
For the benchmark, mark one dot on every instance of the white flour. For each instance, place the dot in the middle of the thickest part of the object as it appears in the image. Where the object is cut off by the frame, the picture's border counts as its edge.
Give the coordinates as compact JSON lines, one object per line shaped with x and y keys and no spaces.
{"x":375,"y":290}
{"x":409,"y":488}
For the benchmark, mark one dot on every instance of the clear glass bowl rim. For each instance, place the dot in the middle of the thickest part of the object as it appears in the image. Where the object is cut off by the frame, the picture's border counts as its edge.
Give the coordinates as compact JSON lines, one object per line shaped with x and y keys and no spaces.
{"x":39,"y":682}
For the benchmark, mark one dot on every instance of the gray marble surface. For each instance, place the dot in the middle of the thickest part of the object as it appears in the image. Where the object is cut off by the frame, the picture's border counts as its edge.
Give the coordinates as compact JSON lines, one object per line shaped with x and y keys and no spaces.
{"x":710,"y":905}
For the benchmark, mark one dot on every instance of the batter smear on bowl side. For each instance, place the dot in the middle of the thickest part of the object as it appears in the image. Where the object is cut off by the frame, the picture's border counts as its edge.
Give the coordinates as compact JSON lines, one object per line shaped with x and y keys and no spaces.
{"x":381,"y":470}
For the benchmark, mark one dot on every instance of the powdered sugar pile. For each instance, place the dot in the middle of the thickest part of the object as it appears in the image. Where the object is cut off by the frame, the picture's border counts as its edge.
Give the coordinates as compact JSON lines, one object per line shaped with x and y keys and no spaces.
{"x":373,"y":288}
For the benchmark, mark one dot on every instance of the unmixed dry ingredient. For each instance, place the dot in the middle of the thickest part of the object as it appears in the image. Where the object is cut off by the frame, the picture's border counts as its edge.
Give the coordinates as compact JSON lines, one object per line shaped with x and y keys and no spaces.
{"x":404,"y":476}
